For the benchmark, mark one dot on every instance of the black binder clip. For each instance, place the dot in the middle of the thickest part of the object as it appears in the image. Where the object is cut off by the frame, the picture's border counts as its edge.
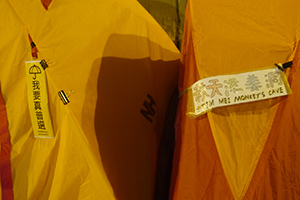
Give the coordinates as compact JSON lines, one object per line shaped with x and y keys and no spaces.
{"x":279,"y":66}
{"x":287,"y":65}
{"x":32,"y":45}
{"x":65,"y":97}
{"x":282,"y":67}
{"x":45,"y":63}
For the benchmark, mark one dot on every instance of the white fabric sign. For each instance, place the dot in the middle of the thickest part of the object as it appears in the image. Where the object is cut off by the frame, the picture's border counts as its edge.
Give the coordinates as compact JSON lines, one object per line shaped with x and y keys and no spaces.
{"x":227,"y":90}
{"x":38,"y":100}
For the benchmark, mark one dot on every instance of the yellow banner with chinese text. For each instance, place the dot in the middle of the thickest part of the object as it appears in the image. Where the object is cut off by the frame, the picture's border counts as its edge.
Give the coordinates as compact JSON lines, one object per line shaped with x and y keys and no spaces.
{"x":38,"y":100}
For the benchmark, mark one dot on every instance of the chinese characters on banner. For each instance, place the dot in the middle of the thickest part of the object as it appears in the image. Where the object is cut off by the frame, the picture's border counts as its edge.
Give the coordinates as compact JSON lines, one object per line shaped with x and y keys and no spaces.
{"x":38,"y":100}
{"x":227,"y":90}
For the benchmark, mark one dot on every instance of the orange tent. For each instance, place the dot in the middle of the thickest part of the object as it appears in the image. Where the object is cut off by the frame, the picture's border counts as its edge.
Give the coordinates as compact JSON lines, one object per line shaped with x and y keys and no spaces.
{"x":243,"y":151}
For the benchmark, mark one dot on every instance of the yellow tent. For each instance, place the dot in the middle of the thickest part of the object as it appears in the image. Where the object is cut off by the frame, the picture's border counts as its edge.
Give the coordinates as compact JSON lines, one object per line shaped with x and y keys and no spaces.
{"x":121,"y":68}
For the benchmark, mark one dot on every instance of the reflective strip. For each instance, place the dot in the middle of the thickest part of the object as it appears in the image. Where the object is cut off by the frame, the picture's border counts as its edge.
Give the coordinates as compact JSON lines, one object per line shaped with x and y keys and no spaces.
{"x":234,"y":89}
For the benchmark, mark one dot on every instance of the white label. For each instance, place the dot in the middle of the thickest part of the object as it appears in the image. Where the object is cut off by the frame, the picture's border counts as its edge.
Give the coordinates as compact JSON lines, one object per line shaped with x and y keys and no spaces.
{"x":38,"y":100}
{"x":228,"y":90}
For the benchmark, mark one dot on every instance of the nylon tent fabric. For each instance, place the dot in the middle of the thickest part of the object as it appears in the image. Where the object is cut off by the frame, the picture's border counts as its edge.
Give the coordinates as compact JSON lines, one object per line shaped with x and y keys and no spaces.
{"x":123,"y":69}
{"x":246,"y":151}
{"x":6,"y":188}
{"x":170,"y":15}
{"x":166,"y":151}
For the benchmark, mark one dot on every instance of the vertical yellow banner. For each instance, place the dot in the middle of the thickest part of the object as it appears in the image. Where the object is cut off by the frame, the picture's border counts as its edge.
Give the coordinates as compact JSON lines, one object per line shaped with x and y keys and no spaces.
{"x":38,"y":100}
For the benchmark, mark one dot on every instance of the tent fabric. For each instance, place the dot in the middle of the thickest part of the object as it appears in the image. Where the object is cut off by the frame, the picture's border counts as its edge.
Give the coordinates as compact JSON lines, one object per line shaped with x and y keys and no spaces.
{"x":46,"y":3}
{"x":166,"y":151}
{"x":170,"y":15}
{"x":6,"y":189}
{"x":245,"y":151}
{"x":123,"y":69}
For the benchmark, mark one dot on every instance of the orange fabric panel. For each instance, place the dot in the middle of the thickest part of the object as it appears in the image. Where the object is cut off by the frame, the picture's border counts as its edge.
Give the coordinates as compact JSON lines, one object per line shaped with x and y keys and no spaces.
{"x":278,"y":171}
{"x":46,"y":3}
{"x":199,"y":169}
{"x":6,"y":186}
